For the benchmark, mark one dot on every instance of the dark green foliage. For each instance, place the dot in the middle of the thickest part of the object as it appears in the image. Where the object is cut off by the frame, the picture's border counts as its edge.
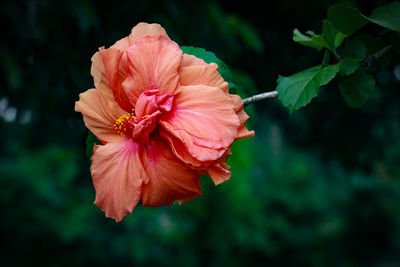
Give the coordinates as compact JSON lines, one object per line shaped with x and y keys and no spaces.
{"x":387,"y":16}
{"x":343,"y":21}
{"x":346,"y":19}
{"x":357,"y":88}
{"x":348,"y":66}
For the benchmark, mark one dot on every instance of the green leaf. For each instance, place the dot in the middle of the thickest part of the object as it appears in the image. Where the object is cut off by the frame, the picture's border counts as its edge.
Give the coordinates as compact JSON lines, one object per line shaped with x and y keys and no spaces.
{"x":209,"y":57}
{"x":315,"y":41}
{"x":387,"y":16}
{"x":297,"y":90}
{"x":346,"y":19}
{"x":326,"y":59}
{"x":91,"y":140}
{"x":355,"y":49}
{"x":357,"y":88}
{"x":348,"y":66}
{"x":331,"y":38}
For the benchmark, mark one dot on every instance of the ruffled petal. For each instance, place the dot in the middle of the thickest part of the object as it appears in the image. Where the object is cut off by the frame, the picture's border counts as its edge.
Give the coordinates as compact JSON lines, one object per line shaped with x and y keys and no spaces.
{"x":153,"y":64}
{"x":99,"y":114}
{"x":169,"y":178}
{"x":217,"y":170}
{"x":242,"y":115}
{"x":190,"y":60}
{"x":204,"y":120}
{"x":109,"y":71}
{"x":180,"y":151}
{"x":219,"y":173}
{"x":140,"y":30}
{"x":204,"y":74}
{"x":118,"y":175}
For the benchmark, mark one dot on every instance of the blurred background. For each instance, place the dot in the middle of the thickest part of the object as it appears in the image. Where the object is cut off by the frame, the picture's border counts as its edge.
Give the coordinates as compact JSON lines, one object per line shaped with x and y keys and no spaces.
{"x":317,"y":188}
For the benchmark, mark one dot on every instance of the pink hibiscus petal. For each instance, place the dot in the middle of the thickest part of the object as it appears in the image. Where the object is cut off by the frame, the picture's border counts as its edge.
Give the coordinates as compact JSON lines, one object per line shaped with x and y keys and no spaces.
{"x":153,"y":64}
{"x":99,"y":114}
{"x":125,"y":172}
{"x":202,"y":74}
{"x":190,"y":60}
{"x":108,"y":74}
{"x":218,"y":173}
{"x":118,"y":175}
{"x":140,"y":30}
{"x":242,"y":115}
{"x":169,"y":178}
{"x":203,"y":119}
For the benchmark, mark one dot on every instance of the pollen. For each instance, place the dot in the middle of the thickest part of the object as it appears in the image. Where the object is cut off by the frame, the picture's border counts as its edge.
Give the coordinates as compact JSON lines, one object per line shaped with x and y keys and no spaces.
{"x":126,"y":123}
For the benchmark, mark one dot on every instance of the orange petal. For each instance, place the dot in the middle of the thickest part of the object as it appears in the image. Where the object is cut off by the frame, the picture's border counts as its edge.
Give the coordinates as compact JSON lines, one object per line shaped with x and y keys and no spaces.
{"x":217,"y":170}
{"x":102,"y":68}
{"x":181,"y":152}
{"x":190,"y":60}
{"x":109,"y":72}
{"x":204,"y":120}
{"x":117,"y":175}
{"x":238,"y":106}
{"x":202,"y":75}
{"x":99,"y":114}
{"x":169,"y":178}
{"x":153,"y":64}
{"x":218,"y":174}
{"x":140,"y":30}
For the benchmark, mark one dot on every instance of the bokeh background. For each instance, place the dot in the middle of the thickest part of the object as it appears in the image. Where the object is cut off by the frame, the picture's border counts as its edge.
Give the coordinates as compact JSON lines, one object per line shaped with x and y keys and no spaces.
{"x":316,"y":188}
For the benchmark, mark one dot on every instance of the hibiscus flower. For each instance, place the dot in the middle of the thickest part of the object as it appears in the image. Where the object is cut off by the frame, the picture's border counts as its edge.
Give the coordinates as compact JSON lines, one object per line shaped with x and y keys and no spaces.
{"x":163,"y":118}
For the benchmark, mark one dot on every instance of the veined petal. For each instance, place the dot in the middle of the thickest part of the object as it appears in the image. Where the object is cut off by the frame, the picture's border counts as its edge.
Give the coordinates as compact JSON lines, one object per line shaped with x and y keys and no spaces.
{"x":169,"y":178}
{"x":153,"y":64}
{"x":140,"y":30}
{"x":204,"y":74}
{"x":109,"y":71}
{"x":118,"y":175}
{"x":104,"y":65}
{"x":203,"y":119}
{"x":99,"y":114}
{"x":180,"y":151}
{"x":217,"y":170}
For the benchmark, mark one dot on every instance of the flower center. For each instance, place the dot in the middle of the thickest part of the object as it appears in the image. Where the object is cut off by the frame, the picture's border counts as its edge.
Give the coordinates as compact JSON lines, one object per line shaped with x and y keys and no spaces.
{"x":124,"y":124}
{"x":138,"y":124}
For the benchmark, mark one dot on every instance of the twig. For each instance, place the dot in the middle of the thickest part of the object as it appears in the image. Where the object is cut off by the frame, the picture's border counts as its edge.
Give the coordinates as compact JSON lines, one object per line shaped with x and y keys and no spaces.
{"x":367,"y":62}
{"x":377,"y":56}
{"x":259,"y":97}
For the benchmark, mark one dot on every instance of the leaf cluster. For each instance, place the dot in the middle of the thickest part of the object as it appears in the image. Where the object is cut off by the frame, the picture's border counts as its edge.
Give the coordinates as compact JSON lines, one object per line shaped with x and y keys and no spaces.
{"x":353,"y":54}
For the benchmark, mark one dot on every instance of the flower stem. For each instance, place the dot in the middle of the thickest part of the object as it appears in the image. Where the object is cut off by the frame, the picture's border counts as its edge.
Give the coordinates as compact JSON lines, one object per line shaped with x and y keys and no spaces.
{"x":259,"y":97}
